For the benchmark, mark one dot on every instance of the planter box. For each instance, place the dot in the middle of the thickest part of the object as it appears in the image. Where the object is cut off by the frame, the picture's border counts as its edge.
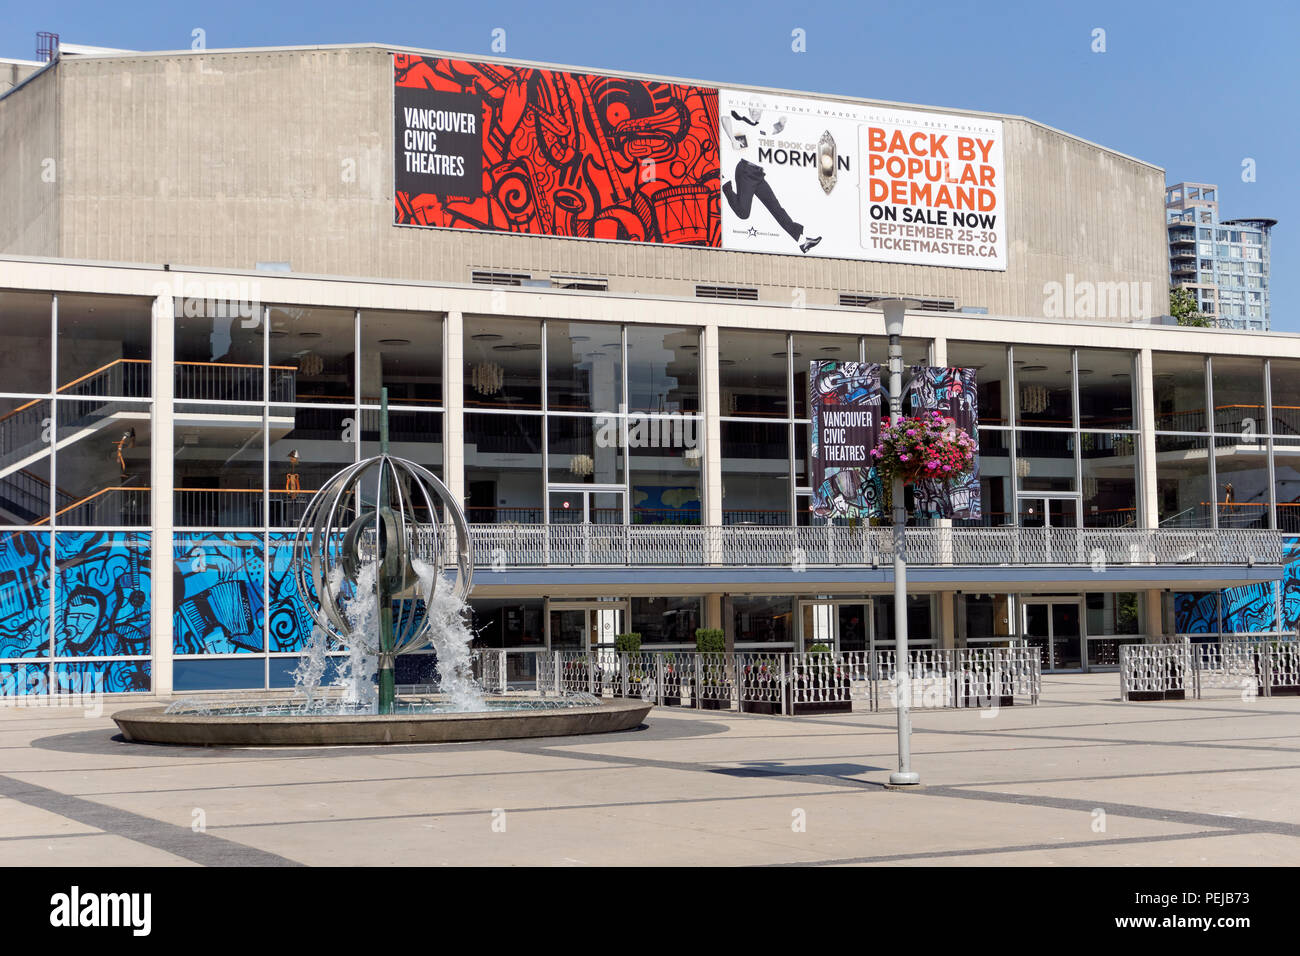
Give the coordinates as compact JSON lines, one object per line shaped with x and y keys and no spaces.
{"x":1140,"y":695}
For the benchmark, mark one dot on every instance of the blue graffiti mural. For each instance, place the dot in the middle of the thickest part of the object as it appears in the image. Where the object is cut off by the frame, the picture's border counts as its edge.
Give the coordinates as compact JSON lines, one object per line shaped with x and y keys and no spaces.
{"x":218,"y":600}
{"x":290,"y":621}
{"x":24,"y":594}
{"x":102,"y":594}
{"x":1290,"y":584}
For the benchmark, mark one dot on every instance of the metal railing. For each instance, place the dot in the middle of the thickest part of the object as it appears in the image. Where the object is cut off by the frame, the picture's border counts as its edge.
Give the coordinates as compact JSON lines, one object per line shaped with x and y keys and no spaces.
{"x":1172,"y":671}
{"x":760,"y":682}
{"x":518,"y":546}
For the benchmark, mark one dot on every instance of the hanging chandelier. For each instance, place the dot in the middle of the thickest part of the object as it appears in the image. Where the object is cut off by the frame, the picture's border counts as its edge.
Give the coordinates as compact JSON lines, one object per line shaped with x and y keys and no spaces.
{"x":582,"y":465}
{"x":1089,"y":488}
{"x":1034,"y":399}
{"x":487,"y":378}
{"x":311,"y":365}
{"x":691,"y":457}
{"x":1022,"y":467}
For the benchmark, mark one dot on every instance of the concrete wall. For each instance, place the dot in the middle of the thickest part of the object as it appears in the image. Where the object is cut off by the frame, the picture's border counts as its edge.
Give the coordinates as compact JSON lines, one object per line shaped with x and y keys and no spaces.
{"x":227,"y":159}
{"x":30,"y":167}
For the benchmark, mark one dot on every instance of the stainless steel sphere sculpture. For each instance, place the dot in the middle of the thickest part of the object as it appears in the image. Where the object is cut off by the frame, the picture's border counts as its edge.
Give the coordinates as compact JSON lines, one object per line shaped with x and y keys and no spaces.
{"x":384,"y":510}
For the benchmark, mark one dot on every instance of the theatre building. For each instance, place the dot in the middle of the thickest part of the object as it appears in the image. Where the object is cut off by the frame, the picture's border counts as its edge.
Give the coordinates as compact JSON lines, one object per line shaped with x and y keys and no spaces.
{"x":593,"y":299}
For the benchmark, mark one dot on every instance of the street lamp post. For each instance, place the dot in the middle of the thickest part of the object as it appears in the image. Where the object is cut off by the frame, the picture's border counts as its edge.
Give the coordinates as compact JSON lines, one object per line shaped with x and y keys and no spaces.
{"x":895,"y":310}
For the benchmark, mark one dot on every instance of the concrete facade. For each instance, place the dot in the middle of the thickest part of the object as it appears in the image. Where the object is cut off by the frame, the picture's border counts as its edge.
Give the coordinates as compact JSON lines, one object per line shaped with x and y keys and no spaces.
{"x":228,"y":159}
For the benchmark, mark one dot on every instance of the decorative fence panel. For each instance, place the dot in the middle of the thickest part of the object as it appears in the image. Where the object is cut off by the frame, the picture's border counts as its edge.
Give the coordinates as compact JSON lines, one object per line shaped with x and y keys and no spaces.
{"x":760,"y":682}
{"x":1167,"y":671}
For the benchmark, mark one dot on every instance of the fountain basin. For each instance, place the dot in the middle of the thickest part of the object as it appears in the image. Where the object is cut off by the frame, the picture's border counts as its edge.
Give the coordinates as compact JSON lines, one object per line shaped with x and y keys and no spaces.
{"x":155,"y":725}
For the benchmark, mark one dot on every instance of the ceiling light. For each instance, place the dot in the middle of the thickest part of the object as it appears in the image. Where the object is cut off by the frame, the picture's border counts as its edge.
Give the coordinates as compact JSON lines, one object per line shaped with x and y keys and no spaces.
{"x":394,"y":341}
{"x":487,"y":337}
{"x":309,"y":335}
{"x":505,"y":348}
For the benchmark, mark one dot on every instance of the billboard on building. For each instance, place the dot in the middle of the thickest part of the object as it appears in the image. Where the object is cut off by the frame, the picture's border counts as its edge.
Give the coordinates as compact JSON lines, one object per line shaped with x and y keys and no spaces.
{"x":853,"y":181}
{"x":550,"y":153}
{"x":845,"y":403}
{"x":541,"y":152}
{"x":950,"y":392}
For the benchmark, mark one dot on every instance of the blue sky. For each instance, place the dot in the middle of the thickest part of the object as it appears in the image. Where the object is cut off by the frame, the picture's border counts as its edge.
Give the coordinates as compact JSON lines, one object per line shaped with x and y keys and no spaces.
{"x":1193,"y":87}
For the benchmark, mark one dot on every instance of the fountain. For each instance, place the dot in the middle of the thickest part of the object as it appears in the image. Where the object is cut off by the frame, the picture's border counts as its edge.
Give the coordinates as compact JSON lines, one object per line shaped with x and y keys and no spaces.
{"x":381,"y":578}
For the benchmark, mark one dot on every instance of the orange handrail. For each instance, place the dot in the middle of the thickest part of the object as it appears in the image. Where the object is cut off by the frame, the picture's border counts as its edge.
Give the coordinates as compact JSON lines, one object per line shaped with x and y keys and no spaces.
{"x":101,"y":491}
{"x":104,"y":368}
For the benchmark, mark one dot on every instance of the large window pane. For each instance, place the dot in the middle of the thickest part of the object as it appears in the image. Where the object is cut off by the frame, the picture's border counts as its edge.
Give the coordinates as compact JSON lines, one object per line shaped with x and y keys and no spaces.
{"x":219,"y":353}
{"x":1286,"y":482}
{"x":995,"y":480}
{"x":1109,"y":463}
{"x":991,"y":381}
{"x":585,"y":449}
{"x":401,"y":351}
{"x":317,"y":347}
{"x":503,"y":362}
{"x":762,"y":619}
{"x":24,"y":343}
{"x":1179,"y":384}
{"x":503,"y":469}
{"x":513,"y":623}
{"x":1285,"y":374}
{"x":1183,"y":487}
{"x":1044,"y":394}
{"x":104,"y":345}
{"x":25,"y":459}
{"x":1238,"y":394}
{"x":667,"y":620}
{"x":752,"y":374}
{"x":584,"y":367}
{"x":1105,"y":389}
{"x":1045,"y":460}
{"x":102,"y":465}
{"x":755,"y":473}
{"x":308,"y":446}
{"x":1242,"y":475}
{"x":663,"y":369}
{"x":218,"y":467}
{"x":665,"y":486}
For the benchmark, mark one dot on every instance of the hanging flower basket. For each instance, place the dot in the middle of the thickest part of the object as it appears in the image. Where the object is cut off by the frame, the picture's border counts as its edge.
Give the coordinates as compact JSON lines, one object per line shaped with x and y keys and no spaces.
{"x":926,"y":447}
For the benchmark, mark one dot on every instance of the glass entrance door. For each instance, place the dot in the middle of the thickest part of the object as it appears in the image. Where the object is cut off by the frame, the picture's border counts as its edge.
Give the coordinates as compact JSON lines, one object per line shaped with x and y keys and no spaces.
{"x":1055,"y":627}
{"x":586,"y":506}
{"x":585,"y":625}
{"x":1051,"y":514}
{"x":839,"y":625}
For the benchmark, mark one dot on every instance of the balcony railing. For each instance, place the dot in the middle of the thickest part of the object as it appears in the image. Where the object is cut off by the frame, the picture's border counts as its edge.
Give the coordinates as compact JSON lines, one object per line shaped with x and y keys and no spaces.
{"x":521,"y":546}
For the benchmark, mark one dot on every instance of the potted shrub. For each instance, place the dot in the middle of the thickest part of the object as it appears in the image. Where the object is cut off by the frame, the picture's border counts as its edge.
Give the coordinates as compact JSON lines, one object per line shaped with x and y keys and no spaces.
{"x":630,"y":644}
{"x":711,"y":643}
{"x":761,"y":683}
{"x":672,"y":680}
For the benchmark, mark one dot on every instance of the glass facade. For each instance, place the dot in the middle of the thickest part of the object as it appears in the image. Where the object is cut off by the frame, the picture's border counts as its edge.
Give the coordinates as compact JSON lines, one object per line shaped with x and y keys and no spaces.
{"x":561,"y":422}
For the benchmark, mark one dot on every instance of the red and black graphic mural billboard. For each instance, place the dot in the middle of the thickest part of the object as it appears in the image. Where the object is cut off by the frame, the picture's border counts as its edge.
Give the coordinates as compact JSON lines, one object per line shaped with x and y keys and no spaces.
{"x":550,"y":153}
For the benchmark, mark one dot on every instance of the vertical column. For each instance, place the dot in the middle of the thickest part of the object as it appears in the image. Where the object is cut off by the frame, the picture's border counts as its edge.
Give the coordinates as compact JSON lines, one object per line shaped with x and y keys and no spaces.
{"x":711,"y":463}
{"x":453,"y":400}
{"x":711,"y":460}
{"x":947,"y":619}
{"x":161,"y":483}
{"x":1155,"y":624}
{"x":713,"y":610}
{"x":1147,"y":437}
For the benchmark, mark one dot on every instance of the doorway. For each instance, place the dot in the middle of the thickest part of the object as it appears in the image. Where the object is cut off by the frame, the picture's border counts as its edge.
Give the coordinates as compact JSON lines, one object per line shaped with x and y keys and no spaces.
{"x":585,"y":504}
{"x":585,"y":626}
{"x":1055,"y":626}
{"x":840,"y":625}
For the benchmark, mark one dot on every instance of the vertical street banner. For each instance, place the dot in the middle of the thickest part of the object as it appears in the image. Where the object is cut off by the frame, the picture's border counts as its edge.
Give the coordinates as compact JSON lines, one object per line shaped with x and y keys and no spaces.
{"x":951,"y":393}
{"x":845,"y":403}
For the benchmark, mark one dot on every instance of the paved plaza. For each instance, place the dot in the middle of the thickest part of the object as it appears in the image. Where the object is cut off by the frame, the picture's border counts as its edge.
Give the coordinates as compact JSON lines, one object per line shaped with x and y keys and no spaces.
{"x":1080,"y":779}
